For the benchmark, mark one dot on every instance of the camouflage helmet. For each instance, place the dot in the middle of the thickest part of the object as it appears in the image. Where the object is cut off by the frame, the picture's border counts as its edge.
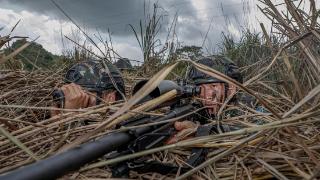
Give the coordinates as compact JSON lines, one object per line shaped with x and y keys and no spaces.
{"x":93,"y":76}
{"x":219,"y":63}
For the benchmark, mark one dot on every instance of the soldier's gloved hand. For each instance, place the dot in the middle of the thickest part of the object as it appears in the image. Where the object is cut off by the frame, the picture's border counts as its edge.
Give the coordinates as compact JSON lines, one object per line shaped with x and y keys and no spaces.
{"x":185,"y":130}
{"x":75,"y":97}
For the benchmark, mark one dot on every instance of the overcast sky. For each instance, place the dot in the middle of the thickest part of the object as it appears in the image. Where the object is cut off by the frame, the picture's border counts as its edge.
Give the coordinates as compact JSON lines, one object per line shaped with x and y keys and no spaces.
{"x":42,"y":18}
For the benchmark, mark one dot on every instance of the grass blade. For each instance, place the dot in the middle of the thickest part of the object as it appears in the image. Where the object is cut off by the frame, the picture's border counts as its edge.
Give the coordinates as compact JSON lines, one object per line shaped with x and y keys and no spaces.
{"x":18,"y":143}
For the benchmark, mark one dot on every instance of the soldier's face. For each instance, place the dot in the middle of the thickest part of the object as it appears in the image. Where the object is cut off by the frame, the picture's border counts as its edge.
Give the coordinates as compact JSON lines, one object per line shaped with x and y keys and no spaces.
{"x":109,"y":97}
{"x":213,"y":95}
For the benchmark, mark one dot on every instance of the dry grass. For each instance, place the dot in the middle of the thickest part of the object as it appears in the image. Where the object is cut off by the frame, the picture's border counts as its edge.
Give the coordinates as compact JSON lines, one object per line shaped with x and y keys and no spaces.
{"x":281,"y":142}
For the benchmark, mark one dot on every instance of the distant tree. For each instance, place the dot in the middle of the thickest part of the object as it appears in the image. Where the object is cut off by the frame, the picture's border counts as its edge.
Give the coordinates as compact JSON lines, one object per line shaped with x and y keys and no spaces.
{"x":191,"y":51}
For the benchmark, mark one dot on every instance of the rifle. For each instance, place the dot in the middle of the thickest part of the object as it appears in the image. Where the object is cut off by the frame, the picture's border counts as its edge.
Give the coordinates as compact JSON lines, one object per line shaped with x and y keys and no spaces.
{"x":121,"y":143}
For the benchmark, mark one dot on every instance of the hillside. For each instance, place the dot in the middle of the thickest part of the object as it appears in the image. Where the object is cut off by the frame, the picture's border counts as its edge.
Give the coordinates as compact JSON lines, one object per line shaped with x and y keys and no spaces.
{"x":33,"y":55}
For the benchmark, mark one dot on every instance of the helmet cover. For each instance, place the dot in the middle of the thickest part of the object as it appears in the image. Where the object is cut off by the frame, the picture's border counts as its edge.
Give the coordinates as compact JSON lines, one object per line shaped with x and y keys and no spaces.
{"x":93,"y":76}
{"x":219,"y":63}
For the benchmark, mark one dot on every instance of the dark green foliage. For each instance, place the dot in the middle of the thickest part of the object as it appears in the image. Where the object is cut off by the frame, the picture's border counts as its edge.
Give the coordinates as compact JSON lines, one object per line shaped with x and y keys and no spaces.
{"x":251,"y":52}
{"x":248,"y":50}
{"x":34,"y":55}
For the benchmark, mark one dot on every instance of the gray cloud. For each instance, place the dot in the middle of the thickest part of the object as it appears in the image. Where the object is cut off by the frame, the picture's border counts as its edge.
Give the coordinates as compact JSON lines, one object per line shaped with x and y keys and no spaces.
{"x":117,"y":14}
{"x":114,"y":14}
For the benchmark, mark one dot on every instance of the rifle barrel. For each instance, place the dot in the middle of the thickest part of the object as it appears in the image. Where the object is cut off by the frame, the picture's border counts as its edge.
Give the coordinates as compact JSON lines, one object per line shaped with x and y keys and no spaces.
{"x":71,"y":160}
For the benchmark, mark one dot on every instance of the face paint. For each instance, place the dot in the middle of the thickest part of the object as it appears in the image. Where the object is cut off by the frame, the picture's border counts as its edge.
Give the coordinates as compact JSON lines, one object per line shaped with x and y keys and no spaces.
{"x":214,"y":95}
{"x":109,"y":97}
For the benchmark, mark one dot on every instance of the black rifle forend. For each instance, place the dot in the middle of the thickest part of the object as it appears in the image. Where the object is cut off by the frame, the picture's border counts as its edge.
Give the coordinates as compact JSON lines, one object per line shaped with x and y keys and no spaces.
{"x":71,"y":160}
{"x":166,"y":86}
